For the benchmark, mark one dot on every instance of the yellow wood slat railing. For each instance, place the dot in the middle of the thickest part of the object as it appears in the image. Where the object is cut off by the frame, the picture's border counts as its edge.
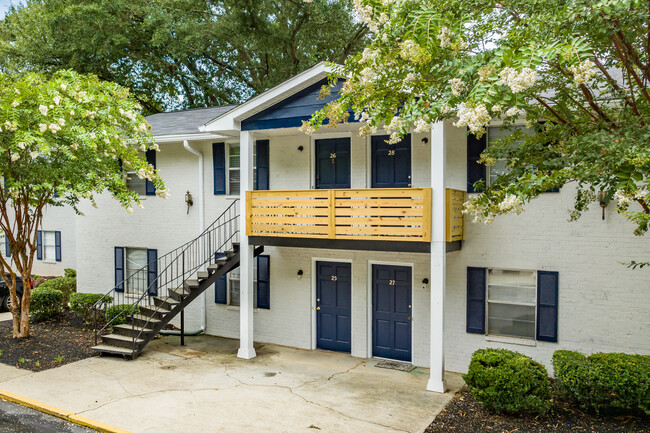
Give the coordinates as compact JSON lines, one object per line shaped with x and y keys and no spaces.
{"x":365,"y":214}
{"x":455,"y":216}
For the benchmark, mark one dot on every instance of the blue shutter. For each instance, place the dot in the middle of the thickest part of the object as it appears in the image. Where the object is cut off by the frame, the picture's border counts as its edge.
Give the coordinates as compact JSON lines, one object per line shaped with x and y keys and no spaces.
{"x":152,"y":272}
{"x":475,"y":171}
{"x":219,"y":168}
{"x":264,"y":282}
{"x":119,"y":269}
{"x":7,"y":246}
{"x":221,"y":286}
{"x":262,"y":165}
{"x":57,"y":245}
{"x":39,"y":245}
{"x":476,"y":285}
{"x":151,"y":159}
{"x":547,"y":303}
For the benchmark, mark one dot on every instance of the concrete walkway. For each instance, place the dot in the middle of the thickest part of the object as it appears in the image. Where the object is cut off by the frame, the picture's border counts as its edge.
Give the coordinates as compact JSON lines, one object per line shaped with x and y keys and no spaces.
{"x":205,"y":387}
{"x":5,"y":316}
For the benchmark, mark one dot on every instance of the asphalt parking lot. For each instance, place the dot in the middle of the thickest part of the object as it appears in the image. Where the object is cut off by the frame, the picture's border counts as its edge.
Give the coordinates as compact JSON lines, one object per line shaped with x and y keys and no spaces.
{"x":15,"y":418}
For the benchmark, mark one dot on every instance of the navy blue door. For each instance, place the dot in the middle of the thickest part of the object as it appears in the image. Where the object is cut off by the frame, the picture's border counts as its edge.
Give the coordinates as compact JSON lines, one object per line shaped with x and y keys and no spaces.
{"x":333,"y":296}
{"x":391,"y":163}
{"x":391,"y":312}
{"x":333,"y":163}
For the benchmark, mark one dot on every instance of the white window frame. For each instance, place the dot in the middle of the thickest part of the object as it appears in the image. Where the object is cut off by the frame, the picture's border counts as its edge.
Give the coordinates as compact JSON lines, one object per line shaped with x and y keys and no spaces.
{"x":488,"y":175}
{"x":45,"y":257}
{"x":132,"y":177}
{"x":514,"y":303}
{"x":230,"y":168}
{"x":3,"y":244}
{"x":231,"y":277}
{"x":139,"y":290}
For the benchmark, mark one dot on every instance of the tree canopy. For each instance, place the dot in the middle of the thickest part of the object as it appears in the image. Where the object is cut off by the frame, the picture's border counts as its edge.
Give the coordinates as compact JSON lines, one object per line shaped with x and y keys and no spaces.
{"x":63,"y":139}
{"x":575,"y":71}
{"x":180,"y":53}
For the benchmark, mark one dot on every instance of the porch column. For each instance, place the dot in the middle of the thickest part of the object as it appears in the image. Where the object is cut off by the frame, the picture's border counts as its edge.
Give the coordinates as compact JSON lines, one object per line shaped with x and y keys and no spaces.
{"x":246,"y":350}
{"x":438,"y":256}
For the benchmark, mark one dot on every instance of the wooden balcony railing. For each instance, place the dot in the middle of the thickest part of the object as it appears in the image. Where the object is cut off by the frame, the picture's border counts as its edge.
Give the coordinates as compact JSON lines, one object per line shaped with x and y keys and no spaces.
{"x":362,"y":214}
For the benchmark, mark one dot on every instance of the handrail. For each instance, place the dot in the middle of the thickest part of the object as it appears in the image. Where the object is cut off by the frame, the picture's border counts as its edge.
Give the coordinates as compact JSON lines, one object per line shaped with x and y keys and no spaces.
{"x":171,"y":270}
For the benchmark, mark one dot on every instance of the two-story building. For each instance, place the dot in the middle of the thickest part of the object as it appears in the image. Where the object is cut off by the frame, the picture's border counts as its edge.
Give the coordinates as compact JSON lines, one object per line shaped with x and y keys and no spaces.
{"x":366,"y":251}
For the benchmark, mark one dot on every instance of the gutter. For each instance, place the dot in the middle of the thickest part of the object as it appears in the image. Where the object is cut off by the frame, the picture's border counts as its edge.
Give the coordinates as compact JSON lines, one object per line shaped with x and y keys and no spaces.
{"x":186,"y":145}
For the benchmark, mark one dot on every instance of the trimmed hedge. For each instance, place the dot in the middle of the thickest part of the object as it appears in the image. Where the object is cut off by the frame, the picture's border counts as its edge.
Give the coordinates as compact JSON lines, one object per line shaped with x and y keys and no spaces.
{"x":506,"y":381}
{"x":116,"y":310}
{"x":70,"y":273}
{"x":605,"y":382}
{"x":66,"y":285}
{"x":46,"y":303}
{"x":82,"y":304}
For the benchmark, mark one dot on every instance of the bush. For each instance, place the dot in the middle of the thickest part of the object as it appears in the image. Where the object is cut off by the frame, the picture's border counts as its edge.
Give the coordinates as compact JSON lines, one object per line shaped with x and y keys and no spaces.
{"x":82,"y":304}
{"x":46,"y":303}
{"x":66,"y":285}
{"x":506,"y":381}
{"x":116,"y":310}
{"x":70,"y":273}
{"x":605,"y":382}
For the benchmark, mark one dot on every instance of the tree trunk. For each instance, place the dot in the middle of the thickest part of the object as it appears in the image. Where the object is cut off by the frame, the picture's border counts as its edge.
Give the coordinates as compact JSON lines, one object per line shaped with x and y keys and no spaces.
{"x":24,"y":307}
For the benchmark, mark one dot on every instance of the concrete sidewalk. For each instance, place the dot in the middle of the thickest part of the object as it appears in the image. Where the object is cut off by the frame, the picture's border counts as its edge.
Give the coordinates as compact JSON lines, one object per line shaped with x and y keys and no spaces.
{"x":5,"y":316}
{"x":205,"y":387}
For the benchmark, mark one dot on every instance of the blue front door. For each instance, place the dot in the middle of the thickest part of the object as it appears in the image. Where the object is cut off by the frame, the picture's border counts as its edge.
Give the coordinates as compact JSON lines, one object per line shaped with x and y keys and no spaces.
{"x":391,"y":163}
{"x":333,"y":296}
{"x":333,"y":163}
{"x":391,"y":312}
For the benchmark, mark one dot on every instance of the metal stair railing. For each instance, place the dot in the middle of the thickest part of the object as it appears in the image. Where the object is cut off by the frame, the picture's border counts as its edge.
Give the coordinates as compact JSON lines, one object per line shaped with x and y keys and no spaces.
{"x":172,"y":270}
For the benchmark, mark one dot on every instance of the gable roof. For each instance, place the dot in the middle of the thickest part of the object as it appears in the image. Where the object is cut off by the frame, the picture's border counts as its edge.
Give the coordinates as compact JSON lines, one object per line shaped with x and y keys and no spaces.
{"x":184,"y":122}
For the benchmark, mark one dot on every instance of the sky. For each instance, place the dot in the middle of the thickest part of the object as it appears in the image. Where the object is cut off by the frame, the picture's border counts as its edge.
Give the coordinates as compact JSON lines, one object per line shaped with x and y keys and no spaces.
{"x":5,"y":4}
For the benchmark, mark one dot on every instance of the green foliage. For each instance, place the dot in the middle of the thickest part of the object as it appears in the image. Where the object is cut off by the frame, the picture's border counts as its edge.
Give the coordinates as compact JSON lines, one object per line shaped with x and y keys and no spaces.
{"x":605,"y":382}
{"x":475,"y":61}
{"x":46,"y":304}
{"x":66,"y":285}
{"x":70,"y":273}
{"x":180,"y":53}
{"x":117,"y":310}
{"x":82,"y":304}
{"x":510,"y":382}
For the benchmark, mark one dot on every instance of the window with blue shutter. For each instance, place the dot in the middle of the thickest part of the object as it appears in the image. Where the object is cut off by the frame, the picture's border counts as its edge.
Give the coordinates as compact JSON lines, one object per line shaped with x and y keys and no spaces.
{"x":151,"y":159}
{"x":221,"y":286}
{"x":119,"y":269}
{"x":264,"y":282}
{"x":476,"y":288}
{"x":57,"y":246}
{"x":475,"y":170}
{"x":262,"y":165}
{"x":7,"y":247}
{"x":219,"y":168}
{"x":39,"y":245}
{"x":152,"y":272}
{"x":547,"y":305}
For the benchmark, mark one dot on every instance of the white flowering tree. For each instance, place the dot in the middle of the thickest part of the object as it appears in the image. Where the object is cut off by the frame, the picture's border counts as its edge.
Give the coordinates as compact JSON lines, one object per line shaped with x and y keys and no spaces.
{"x":576,"y":71}
{"x":63,"y":139}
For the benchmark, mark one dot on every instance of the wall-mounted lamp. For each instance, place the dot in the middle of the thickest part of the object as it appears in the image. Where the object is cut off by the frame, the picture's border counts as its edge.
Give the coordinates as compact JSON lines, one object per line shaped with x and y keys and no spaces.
{"x":425,"y":140}
{"x":602,"y":200}
{"x":300,"y":273}
{"x":425,"y":281}
{"x":300,"y":148}
{"x":189,"y":201}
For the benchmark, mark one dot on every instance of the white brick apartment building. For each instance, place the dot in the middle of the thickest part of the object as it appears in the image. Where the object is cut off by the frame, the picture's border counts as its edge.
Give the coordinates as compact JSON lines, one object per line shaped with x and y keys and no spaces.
{"x":379,"y":278}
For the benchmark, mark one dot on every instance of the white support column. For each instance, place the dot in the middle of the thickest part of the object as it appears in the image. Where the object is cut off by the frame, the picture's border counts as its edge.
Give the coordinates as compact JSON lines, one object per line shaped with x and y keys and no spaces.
{"x":438,"y":257}
{"x":246,"y":349}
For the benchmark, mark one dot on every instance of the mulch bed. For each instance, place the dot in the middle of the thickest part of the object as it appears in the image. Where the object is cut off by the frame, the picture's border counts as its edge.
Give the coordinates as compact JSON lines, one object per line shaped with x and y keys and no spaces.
{"x":51,"y":344}
{"x":465,"y":415}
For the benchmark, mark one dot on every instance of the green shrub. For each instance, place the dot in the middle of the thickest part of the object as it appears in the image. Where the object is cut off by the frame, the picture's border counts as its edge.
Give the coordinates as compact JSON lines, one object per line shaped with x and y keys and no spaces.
{"x":70,"y":273}
{"x":605,"y":382}
{"x":116,"y":310}
{"x":506,"y":381}
{"x":66,"y":285}
{"x":46,"y":303}
{"x":82,"y":304}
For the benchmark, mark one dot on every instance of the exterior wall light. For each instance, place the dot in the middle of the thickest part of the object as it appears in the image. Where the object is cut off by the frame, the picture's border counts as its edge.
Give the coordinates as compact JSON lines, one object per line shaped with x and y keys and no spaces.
{"x":189,"y":201}
{"x":603,"y":201}
{"x":300,"y":273}
{"x":300,"y":148}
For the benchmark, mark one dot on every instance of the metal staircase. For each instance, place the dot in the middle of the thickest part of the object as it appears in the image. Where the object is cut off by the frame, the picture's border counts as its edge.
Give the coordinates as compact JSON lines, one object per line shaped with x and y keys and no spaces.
{"x":151,"y":297}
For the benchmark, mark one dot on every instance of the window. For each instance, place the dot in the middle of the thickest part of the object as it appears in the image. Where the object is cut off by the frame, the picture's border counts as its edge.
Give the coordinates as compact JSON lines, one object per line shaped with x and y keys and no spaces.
{"x":136,"y":266}
{"x":494,"y":134}
{"x":511,"y":303}
{"x":234,"y":286}
{"x":3,"y":244}
{"x":142,"y":186}
{"x":234,"y":164}
{"x":49,"y":246}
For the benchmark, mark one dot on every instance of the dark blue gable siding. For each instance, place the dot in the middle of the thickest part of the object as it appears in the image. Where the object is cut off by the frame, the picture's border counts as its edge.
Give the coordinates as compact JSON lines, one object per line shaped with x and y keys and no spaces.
{"x":293,"y":110}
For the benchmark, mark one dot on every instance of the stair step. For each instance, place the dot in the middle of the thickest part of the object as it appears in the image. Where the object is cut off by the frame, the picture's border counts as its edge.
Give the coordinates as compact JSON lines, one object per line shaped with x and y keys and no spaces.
{"x":166,"y":303}
{"x":179,"y":294}
{"x":192,"y":284}
{"x":129,"y":330}
{"x":112,"y":349}
{"x":203,"y":275}
{"x":118,"y":340}
{"x":215,"y":267}
{"x":230,"y":253}
{"x":155,"y":312}
{"x":141,"y":319}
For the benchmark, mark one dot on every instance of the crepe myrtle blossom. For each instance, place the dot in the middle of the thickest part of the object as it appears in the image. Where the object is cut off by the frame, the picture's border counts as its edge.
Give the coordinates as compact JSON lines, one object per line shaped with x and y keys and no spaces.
{"x":583,"y":72}
{"x":457,"y":86}
{"x":624,"y":199}
{"x":475,"y":118}
{"x":518,"y":81}
{"x":445,"y":37}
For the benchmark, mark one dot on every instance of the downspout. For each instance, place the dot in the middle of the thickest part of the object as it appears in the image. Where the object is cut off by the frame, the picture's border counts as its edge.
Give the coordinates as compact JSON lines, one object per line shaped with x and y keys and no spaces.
{"x":186,"y":145}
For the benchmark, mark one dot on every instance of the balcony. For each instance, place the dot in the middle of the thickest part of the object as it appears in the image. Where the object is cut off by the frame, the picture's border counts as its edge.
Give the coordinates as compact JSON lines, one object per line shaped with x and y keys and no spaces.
{"x":365,"y":219}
